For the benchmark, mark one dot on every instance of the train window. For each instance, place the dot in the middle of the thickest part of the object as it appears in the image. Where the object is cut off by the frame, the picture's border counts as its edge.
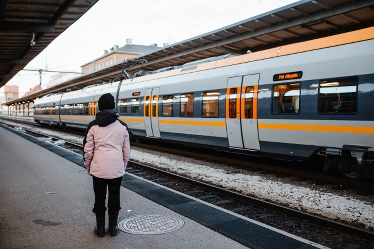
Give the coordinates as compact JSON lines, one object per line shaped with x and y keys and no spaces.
{"x":135,"y":102}
{"x":187,"y":100}
{"x":210,"y":104}
{"x":286,"y":98}
{"x":154,"y":105}
{"x":232,"y":102}
{"x":338,"y":96}
{"x":248,"y":102}
{"x":122,"y":104}
{"x":66,"y":109}
{"x":73,"y":109}
{"x":146,"y":105}
{"x":55,"y":110}
{"x":167,"y":105}
{"x":85,"y":109}
{"x":79,"y":109}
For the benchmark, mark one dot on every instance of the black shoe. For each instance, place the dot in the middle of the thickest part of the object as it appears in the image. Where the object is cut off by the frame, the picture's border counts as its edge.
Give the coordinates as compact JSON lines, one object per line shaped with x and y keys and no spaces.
{"x":113,"y":218}
{"x":100,"y":224}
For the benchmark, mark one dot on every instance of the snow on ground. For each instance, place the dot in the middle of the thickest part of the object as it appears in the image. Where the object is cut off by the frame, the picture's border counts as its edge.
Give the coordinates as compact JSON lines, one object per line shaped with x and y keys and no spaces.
{"x":314,"y":200}
{"x":66,"y":137}
{"x":317,"y":202}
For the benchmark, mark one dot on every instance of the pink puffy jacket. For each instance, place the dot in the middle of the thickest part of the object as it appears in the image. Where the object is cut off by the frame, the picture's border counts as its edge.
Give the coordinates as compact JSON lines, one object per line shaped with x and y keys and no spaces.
{"x":107,"y":150}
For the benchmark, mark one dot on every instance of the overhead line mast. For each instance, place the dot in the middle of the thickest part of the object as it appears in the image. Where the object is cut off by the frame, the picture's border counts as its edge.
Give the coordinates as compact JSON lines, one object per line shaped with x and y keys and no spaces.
{"x":43,"y":70}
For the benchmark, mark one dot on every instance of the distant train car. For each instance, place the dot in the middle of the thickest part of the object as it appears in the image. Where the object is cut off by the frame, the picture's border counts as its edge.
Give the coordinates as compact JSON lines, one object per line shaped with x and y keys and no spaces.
{"x":71,"y":109}
{"x":302,"y":100}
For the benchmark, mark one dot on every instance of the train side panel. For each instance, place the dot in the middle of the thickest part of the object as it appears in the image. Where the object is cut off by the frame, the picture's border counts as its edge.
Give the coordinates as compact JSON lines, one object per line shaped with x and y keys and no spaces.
{"x":310,"y":127}
{"x":45,"y":110}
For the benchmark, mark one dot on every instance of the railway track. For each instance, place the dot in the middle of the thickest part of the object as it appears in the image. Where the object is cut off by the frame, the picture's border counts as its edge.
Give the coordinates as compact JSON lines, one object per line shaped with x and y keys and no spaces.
{"x":242,"y":161}
{"x":239,"y":203}
{"x":315,"y":228}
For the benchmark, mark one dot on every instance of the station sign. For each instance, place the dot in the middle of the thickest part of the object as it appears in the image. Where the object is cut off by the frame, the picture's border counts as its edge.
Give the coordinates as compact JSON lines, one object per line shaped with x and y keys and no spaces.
{"x":288,"y":76}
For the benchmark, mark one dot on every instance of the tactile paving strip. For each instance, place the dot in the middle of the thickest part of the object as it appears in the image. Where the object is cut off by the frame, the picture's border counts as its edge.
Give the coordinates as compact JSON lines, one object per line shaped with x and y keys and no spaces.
{"x":150,"y":224}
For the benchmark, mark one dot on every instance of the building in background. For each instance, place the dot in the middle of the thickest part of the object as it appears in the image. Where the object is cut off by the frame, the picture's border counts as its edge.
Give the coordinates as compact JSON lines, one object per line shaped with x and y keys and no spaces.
{"x":116,"y":55}
{"x":61,"y":78}
{"x":32,"y":90}
{"x":7,"y":93}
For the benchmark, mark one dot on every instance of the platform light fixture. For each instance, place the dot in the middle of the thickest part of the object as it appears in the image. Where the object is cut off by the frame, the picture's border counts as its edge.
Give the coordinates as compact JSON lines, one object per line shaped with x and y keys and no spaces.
{"x":33,"y":41}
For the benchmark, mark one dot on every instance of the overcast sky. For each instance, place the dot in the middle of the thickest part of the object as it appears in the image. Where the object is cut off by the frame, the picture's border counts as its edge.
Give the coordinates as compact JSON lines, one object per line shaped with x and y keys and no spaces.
{"x":111,"y":22}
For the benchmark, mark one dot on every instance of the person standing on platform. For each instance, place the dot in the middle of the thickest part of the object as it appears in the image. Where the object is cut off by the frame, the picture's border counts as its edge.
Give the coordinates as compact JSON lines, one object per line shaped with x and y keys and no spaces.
{"x":106,"y":153}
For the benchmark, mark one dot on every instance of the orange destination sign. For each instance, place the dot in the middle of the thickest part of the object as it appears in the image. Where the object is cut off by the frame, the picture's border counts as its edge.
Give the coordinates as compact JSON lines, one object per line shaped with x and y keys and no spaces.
{"x":288,"y":76}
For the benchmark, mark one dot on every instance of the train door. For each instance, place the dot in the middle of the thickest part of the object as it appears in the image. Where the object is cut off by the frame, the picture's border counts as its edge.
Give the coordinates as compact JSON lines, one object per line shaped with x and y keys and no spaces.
{"x":147,"y":110}
{"x":154,"y":112}
{"x":92,"y":109}
{"x":50,"y":115}
{"x":241,"y":112}
{"x":151,"y":112}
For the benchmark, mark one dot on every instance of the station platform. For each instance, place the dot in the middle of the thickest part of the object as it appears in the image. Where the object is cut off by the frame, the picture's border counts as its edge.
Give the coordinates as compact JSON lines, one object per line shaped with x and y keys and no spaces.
{"x":15,"y":118}
{"x":47,"y":197}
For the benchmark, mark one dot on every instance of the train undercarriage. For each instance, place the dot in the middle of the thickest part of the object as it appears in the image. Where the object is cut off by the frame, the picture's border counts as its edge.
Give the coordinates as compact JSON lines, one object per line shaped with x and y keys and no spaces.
{"x":354,"y":162}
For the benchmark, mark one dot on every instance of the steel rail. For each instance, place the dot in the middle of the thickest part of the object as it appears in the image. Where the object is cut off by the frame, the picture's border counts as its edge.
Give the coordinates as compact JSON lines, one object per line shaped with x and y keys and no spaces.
{"x":266,"y":204}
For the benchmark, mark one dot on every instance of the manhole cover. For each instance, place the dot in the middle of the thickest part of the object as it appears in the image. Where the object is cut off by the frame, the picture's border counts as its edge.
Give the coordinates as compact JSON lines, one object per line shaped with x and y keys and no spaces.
{"x":150,"y":224}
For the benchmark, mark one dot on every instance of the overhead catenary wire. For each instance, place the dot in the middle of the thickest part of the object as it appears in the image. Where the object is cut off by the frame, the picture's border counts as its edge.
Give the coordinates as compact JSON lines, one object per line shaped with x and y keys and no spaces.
{"x":102,"y":31}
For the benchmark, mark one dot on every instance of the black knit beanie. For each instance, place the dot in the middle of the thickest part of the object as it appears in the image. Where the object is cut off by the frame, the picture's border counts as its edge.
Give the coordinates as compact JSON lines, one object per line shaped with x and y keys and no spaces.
{"x":106,"y":101}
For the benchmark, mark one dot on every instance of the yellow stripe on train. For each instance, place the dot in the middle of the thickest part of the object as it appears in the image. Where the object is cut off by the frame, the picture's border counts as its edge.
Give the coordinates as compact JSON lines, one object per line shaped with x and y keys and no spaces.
{"x":319,"y":128}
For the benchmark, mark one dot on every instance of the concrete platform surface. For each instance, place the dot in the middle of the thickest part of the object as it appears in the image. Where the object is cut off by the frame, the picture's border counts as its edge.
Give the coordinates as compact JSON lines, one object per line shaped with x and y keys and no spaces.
{"x":15,"y":118}
{"x":46,"y":202}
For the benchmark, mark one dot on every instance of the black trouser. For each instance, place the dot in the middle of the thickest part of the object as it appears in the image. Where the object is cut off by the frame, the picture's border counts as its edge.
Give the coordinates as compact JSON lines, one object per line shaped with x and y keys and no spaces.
{"x":100,"y":185}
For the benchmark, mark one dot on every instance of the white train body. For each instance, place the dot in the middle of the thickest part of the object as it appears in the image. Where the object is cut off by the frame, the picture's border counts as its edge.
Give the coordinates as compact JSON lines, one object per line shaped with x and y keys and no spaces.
{"x":312,"y":98}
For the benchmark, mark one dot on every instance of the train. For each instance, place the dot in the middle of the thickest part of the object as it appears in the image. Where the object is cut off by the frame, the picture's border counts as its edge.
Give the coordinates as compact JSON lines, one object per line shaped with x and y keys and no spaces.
{"x":306,"y":100}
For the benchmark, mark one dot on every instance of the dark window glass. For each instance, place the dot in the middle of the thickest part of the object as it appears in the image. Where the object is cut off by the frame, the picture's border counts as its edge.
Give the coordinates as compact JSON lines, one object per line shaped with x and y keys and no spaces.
{"x":167,"y":105}
{"x":135,"y":103}
{"x":154,"y":105}
{"x":123,"y":106}
{"x":338,"y":96}
{"x":85,"y":109}
{"x":55,"y":110}
{"x":248,"y":102}
{"x":232,"y":102}
{"x":187,"y":104}
{"x":210,"y":104}
{"x":286,"y":98}
{"x":80,"y":109}
{"x":66,"y":110}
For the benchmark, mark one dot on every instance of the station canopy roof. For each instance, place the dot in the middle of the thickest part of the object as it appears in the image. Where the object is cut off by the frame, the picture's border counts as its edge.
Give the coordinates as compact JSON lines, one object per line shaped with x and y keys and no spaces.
{"x":24,"y":20}
{"x":297,"y":22}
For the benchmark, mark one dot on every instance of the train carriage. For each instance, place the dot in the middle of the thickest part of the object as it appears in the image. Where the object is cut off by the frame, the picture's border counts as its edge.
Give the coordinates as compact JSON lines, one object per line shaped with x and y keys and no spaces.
{"x":46,"y":110}
{"x":78,"y":108}
{"x":300,"y":100}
